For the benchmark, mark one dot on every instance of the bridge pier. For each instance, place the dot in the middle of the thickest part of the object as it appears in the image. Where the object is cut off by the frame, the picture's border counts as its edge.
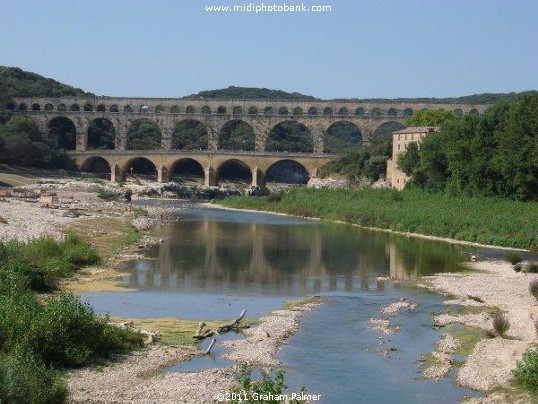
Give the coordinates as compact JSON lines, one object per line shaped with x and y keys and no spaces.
{"x":258,"y":178}
{"x":116,"y":173}
{"x":162,"y":174}
{"x":210,"y":179}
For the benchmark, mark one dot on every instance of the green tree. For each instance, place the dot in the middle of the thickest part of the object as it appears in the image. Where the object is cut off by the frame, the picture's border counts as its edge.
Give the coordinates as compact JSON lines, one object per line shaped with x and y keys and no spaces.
{"x":143,"y":135}
{"x":430,"y":117}
{"x":409,"y":161}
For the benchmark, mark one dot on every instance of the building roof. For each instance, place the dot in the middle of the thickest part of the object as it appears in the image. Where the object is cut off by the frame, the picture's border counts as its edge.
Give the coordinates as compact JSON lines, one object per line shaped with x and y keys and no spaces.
{"x":416,"y":129}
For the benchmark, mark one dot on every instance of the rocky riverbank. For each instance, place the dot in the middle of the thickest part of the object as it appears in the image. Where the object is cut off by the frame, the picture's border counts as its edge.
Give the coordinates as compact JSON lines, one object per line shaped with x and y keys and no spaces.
{"x":490,"y":284}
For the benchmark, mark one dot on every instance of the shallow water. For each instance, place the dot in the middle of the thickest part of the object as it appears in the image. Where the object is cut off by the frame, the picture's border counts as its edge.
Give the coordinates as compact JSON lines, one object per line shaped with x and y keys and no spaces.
{"x":213,"y":263}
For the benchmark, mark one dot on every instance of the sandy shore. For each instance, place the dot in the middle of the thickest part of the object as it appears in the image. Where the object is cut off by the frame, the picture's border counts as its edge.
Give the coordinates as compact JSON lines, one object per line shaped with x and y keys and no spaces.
{"x":491,"y":284}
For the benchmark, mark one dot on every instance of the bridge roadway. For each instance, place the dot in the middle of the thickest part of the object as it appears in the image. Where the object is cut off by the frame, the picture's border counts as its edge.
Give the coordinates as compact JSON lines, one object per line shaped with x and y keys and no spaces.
{"x":210,"y":163}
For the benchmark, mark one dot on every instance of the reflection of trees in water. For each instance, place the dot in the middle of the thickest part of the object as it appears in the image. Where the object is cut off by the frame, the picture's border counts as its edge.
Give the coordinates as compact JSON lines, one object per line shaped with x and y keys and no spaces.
{"x":284,"y":259}
{"x":288,"y":249}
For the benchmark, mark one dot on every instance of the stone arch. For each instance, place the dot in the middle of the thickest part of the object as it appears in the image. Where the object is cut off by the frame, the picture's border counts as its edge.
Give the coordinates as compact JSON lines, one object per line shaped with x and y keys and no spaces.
{"x":289,"y":136}
{"x":283,"y":111}
{"x":236,"y":135}
{"x":101,"y":108}
{"x":360,"y":112}
{"x":287,"y":172}
{"x":140,"y":167}
{"x":221,"y":110}
{"x":237,"y":110}
{"x":61,"y":107}
{"x":458,"y":112}
{"x":312,"y":111}
{"x":96,"y":165}
{"x":408,"y":112}
{"x":11,"y":106}
{"x":159,"y":109}
{"x":190,"y":134}
{"x":474,"y":112}
{"x":88,"y":107}
{"x":206,"y":110}
{"x":268,"y":111}
{"x":62,"y":133}
{"x":392,"y":112}
{"x":75,"y":107}
{"x":36,"y":107}
{"x":342,"y":136}
{"x":143,"y":134}
{"x":23,"y":107}
{"x":328,"y":111}
{"x":384,"y":131}
{"x":101,"y":134}
{"x":128,"y":108}
{"x":174,"y":109}
{"x":234,"y":170}
{"x":253,"y":111}
{"x":187,"y":169}
{"x":114,"y":108}
{"x":49,"y":107}
{"x":190,"y":109}
{"x":376,"y":112}
{"x":297,"y":111}
{"x":343,"y":111}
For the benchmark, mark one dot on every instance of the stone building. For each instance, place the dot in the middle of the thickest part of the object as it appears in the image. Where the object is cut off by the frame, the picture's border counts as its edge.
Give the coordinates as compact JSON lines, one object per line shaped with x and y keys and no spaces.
{"x":400,"y":140}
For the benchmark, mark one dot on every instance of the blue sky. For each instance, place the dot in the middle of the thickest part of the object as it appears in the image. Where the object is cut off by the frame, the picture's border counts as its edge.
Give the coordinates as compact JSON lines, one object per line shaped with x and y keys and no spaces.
{"x":376,"y":48}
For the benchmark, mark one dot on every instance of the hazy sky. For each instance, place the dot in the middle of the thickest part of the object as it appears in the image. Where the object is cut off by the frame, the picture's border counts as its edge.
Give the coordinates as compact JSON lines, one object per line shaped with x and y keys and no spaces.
{"x":376,"y":48}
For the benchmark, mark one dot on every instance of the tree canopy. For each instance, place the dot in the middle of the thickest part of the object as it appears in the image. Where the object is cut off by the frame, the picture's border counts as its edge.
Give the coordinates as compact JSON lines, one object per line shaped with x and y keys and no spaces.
{"x":430,"y":117}
{"x":492,"y":154}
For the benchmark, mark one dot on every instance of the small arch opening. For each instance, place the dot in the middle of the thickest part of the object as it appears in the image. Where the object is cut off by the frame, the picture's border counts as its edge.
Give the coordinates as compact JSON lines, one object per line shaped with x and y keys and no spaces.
{"x":234,"y":171}
{"x":287,"y":172}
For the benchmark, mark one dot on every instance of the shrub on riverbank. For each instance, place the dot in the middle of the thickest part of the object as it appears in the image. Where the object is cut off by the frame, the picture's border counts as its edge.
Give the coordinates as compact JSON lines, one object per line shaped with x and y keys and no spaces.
{"x":477,"y":219}
{"x":527,"y":369}
{"x":39,"y":336}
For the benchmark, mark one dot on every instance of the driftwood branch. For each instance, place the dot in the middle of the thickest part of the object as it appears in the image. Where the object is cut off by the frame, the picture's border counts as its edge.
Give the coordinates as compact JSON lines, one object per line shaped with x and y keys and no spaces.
{"x":234,"y":325}
{"x":208,"y":350}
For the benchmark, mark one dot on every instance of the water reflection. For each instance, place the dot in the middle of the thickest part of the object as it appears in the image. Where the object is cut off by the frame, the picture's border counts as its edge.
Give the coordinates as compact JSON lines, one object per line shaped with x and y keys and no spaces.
{"x":201,"y":254}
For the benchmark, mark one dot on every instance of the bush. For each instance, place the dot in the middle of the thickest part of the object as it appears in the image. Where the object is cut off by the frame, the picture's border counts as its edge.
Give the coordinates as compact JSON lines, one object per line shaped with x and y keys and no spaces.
{"x":248,"y":389}
{"x":531,"y":268}
{"x":533,"y":288}
{"x":513,"y":258}
{"x":501,"y":324}
{"x":526,"y":370}
{"x":25,"y":379}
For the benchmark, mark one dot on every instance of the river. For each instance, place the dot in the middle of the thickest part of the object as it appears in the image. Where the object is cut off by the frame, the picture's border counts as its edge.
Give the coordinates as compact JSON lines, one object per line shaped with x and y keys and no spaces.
{"x":213,"y":263}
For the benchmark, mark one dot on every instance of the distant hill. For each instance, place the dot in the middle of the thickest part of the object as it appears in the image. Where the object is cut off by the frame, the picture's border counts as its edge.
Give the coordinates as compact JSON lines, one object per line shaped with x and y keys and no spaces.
{"x":15,"y":82}
{"x":252,"y":93}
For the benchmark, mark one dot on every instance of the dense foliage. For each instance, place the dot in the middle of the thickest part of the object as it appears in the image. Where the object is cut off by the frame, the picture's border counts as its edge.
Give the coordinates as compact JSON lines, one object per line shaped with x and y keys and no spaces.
{"x":527,"y":370}
{"x":370,"y":162}
{"x":190,"y":134}
{"x":494,"y":221}
{"x":143,"y":134}
{"x":430,"y":117}
{"x":236,"y":135}
{"x":483,"y":98}
{"x":38,"y":338}
{"x":21,"y":143}
{"x":289,"y":136}
{"x":251,"y":93}
{"x":19,"y":83}
{"x":495,"y":154}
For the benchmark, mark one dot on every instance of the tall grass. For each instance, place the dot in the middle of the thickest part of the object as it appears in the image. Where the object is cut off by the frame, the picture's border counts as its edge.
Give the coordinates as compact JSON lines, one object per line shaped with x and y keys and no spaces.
{"x":494,"y":221}
{"x":37,"y":338}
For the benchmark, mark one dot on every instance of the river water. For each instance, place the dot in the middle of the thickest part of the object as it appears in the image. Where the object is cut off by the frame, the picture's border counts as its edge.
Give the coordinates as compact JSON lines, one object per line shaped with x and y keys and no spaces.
{"x":213,"y":263}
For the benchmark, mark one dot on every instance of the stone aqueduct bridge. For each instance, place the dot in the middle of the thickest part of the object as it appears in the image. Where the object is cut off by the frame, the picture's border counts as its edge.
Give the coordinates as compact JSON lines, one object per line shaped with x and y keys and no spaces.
{"x":214,"y":114}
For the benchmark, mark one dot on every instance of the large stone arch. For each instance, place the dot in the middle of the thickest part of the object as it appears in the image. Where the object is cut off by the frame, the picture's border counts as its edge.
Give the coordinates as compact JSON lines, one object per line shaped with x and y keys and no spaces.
{"x":234,"y":170}
{"x":96,"y":165}
{"x":140,"y":167}
{"x":341,"y":136}
{"x":236,"y":135}
{"x":385,"y":130}
{"x":101,"y":134}
{"x":186,"y":169}
{"x":190,"y":134}
{"x":290,"y":136}
{"x":287,"y":171}
{"x":143,"y":134}
{"x":62,"y":132}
